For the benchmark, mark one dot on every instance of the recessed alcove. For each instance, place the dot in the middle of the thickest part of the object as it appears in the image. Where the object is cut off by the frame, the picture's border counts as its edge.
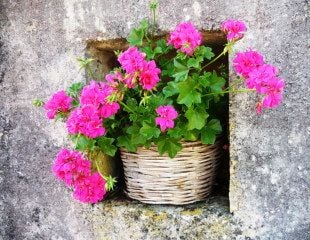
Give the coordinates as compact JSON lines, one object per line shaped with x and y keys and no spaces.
{"x":105,"y":60}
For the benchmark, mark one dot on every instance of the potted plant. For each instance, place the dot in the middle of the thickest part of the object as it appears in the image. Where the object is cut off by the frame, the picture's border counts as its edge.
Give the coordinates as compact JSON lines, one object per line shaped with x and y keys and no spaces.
{"x":159,"y":109}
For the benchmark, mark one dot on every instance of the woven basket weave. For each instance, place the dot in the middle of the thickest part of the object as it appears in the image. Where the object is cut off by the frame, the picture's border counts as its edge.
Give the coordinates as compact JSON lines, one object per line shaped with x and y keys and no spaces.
{"x":187,"y":178}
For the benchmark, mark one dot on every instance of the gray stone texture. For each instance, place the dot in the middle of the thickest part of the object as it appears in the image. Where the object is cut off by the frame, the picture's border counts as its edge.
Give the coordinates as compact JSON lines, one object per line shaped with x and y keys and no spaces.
{"x":269,"y":181}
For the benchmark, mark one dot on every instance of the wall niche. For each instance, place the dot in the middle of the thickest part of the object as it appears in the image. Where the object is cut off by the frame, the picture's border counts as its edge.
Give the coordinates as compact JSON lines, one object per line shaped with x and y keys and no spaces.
{"x":103,"y":53}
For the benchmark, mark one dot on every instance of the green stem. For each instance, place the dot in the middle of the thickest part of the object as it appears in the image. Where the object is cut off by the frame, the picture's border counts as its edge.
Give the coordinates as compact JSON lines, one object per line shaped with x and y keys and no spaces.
{"x":126,"y":106}
{"x":98,"y":169}
{"x":229,"y":91}
{"x":236,"y":82}
{"x":213,"y":60}
{"x":153,"y":7}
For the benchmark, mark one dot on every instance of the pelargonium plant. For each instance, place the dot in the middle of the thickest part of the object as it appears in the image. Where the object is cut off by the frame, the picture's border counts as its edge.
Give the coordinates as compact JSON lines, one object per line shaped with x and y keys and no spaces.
{"x":161,"y":94}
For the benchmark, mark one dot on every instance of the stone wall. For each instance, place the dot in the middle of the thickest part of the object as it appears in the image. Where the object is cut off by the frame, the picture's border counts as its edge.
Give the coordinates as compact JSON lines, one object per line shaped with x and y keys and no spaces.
{"x":269,"y":185}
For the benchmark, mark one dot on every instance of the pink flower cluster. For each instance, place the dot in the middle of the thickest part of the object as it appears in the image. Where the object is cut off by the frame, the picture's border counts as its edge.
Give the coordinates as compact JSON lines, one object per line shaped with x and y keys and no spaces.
{"x":59,"y":102}
{"x":234,"y":29}
{"x":75,"y":171}
{"x":95,"y":107}
{"x":137,"y":67}
{"x":86,"y":120}
{"x":185,"y":37}
{"x":260,"y":76}
{"x":166,"y":116}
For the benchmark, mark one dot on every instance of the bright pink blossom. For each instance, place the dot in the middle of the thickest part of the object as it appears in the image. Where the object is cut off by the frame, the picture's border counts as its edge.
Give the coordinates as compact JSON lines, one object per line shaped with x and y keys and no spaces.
{"x":234,"y":29}
{"x":132,"y":60}
{"x":86,"y":120}
{"x":71,"y":167}
{"x":245,"y":62}
{"x":264,"y":80}
{"x":95,"y":93}
{"x":149,"y":75}
{"x":260,"y":77}
{"x":185,"y":37}
{"x":273,"y":90}
{"x":113,"y":79}
{"x":91,"y":190}
{"x":166,"y":116}
{"x":109,"y":109}
{"x":59,"y":102}
{"x":130,"y":80}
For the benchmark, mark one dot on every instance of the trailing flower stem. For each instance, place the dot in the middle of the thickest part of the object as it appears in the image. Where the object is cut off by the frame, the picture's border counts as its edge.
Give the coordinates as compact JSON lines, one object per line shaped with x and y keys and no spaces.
{"x":234,"y":83}
{"x":126,"y":106}
{"x":229,"y":91}
{"x":213,"y":60}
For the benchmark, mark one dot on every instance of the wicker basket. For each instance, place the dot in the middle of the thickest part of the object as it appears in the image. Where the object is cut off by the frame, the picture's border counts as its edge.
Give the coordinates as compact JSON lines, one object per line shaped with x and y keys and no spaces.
{"x":187,"y":178}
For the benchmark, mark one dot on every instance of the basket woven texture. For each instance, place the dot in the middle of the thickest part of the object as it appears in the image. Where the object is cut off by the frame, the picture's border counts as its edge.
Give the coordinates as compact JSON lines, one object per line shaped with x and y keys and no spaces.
{"x":187,"y":178}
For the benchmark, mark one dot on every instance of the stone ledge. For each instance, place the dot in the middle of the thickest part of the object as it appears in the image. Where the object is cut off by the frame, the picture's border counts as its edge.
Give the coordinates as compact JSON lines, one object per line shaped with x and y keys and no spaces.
{"x":125,"y":219}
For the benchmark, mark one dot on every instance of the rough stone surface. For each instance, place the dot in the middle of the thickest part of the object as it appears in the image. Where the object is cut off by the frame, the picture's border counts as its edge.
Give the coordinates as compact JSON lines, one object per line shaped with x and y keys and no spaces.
{"x":269,"y":192}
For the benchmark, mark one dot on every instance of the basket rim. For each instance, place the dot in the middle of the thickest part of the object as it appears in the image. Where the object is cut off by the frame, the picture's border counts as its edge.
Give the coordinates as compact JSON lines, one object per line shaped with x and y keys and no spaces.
{"x":184,"y":144}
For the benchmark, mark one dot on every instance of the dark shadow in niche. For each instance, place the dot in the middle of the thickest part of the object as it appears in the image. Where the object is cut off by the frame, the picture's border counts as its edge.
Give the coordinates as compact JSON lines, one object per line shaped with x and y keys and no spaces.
{"x":105,"y":60}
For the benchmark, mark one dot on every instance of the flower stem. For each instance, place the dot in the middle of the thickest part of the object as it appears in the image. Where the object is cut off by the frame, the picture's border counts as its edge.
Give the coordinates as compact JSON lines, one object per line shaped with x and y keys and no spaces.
{"x":126,"y":106}
{"x":98,"y":169}
{"x":234,"y":83}
{"x":229,"y":91}
{"x":213,"y":60}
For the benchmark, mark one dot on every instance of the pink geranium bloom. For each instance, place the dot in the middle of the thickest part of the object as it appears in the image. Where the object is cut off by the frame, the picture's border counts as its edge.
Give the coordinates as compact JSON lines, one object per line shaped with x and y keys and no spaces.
{"x":271,"y":86}
{"x":113,"y":79}
{"x":149,"y":75}
{"x":185,"y":37}
{"x":273,"y":89}
{"x":86,"y":120}
{"x":130,"y":80}
{"x":246,"y":62}
{"x":166,"y":116}
{"x":132,"y":60}
{"x":71,"y":167}
{"x":109,"y":109}
{"x":95,"y":93}
{"x":234,"y":29}
{"x":260,"y":77}
{"x":91,"y":190}
{"x":59,"y":102}
{"x":272,"y":100}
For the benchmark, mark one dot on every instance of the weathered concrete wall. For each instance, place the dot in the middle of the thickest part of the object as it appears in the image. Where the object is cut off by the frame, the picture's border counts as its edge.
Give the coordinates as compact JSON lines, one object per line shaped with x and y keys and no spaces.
{"x":270,"y":154}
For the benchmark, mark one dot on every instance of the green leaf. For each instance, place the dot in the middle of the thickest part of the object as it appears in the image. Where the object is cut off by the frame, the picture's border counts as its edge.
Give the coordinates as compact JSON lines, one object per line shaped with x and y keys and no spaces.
{"x":137,"y":34}
{"x":176,"y":132}
{"x":125,"y":141}
{"x":149,"y":52}
{"x":216,"y":82}
{"x":204,"y":80}
{"x":135,"y":136}
{"x":194,"y":62}
{"x":181,"y":71}
{"x":191,"y":135}
{"x":209,"y":132}
{"x":168,"y":68}
{"x":106,"y":145}
{"x":84,"y":62}
{"x":171,"y":89}
{"x":37,"y":103}
{"x":163,"y":45}
{"x":149,"y":131}
{"x":188,"y":94}
{"x":196,"y":118}
{"x":83,"y":143}
{"x":168,"y":145}
{"x":205,"y":52}
{"x":75,"y":89}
